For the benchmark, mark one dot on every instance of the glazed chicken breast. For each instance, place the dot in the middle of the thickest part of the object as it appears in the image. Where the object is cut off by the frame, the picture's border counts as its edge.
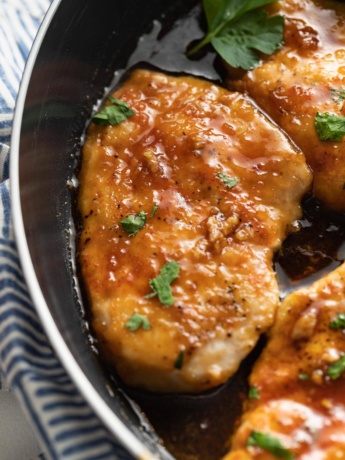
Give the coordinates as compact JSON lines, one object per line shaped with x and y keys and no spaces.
{"x":297,"y":409}
{"x":302,"y":87}
{"x":212,"y":186}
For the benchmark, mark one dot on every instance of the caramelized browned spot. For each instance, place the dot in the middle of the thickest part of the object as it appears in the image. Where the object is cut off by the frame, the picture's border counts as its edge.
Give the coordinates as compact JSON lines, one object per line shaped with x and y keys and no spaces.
{"x":169,"y":154}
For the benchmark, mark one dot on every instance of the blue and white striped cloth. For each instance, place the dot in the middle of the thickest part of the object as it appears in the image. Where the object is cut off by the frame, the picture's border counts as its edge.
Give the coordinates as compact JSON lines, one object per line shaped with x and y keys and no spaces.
{"x":65,"y":425}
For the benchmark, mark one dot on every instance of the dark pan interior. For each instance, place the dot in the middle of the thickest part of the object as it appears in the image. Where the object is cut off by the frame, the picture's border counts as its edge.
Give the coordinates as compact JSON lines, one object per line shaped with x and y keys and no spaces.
{"x":85,"y":43}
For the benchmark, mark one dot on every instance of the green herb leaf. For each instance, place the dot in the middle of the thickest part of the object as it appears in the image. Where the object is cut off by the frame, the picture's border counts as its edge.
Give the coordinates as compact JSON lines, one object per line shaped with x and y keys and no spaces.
{"x":113,"y":114}
{"x":303,"y":376}
{"x":338,"y":95}
{"x":338,"y":322}
{"x":337,"y":368}
{"x":179,"y":360}
{"x":329,"y":127}
{"x":154,"y":210}
{"x":253,"y":393}
{"x":237,"y":31}
{"x":228,"y":181}
{"x":161,"y":284}
{"x":213,"y":9}
{"x":270,"y":444}
{"x":219,"y":12}
{"x":133,"y":223}
{"x":253,"y":32}
{"x":137,"y":321}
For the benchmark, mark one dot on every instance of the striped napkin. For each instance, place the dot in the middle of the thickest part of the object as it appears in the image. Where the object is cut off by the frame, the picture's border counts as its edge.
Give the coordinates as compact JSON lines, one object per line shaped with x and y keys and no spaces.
{"x":65,"y":426}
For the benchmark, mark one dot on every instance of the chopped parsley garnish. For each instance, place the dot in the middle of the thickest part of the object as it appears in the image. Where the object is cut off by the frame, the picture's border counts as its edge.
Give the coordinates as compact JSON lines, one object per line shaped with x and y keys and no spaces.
{"x":338,"y":322}
{"x":253,"y":393}
{"x":113,"y":114}
{"x":228,"y":181}
{"x":329,"y":127}
{"x":138,"y":321}
{"x":336,"y":369}
{"x":161,"y":284}
{"x":338,"y":95}
{"x":238,"y":31}
{"x":154,"y":210}
{"x":270,"y":444}
{"x":303,"y":376}
{"x":179,"y":360}
{"x":133,"y":223}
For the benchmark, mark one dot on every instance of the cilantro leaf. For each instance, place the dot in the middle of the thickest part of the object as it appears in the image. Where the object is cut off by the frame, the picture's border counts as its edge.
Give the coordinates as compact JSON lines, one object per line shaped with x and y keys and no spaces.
{"x":137,"y":321}
{"x":253,"y":393}
{"x":338,"y":322}
{"x":154,"y":210}
{"x":228,"y":181}
{"x":179,"y":360}
{"x":336,"y":369}
{"x":221,"y":12}
{"x":338,"y":95}
{"x":113,"y":114}
{"x":270,"y":444}
{"x":303,"y":376}
{"x":161,"y":284}
{"x":254,"y":31}
{"x":133,"y":223}
{"x":238,"y":31}
{"x":329,"y":127}
{"x":213,"y":11}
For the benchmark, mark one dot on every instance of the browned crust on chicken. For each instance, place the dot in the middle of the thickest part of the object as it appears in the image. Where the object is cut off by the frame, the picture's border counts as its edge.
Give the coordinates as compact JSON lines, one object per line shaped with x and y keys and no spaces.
{"x":301,"y":403}
{"x":169,"y":154}
{"x":295,"y":83}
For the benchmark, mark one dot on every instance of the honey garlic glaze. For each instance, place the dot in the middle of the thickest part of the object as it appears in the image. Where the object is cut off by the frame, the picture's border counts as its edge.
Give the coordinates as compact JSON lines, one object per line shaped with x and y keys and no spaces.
{"x":197,"y":428}
{"x":296,"y":83}
{"x":301,"y":392}
{"x":171,"y":161}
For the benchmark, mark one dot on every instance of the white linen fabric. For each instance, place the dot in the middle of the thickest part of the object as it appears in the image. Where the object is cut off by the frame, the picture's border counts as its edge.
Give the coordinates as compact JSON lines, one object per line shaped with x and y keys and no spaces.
{"x":65,"y":425}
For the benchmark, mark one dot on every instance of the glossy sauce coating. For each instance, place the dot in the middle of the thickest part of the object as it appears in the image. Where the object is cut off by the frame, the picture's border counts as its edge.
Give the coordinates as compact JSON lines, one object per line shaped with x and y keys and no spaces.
{"x":184,"y":132}
{"x":295,"y":83}
{"x":299,"y":403}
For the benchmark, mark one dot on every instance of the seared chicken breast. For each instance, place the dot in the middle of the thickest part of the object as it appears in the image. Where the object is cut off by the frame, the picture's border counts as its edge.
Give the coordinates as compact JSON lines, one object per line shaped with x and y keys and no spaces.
{"x":302,"y":85}
{"x":212,"y":186}
{"x":298,"y":384}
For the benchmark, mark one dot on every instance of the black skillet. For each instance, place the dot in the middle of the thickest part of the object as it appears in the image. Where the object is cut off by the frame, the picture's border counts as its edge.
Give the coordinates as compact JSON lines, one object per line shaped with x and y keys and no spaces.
{"x":83,"y":48}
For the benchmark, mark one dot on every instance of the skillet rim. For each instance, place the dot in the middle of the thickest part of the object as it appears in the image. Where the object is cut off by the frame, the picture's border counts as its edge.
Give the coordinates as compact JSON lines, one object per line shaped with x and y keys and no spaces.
{"x":70,"y":364}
